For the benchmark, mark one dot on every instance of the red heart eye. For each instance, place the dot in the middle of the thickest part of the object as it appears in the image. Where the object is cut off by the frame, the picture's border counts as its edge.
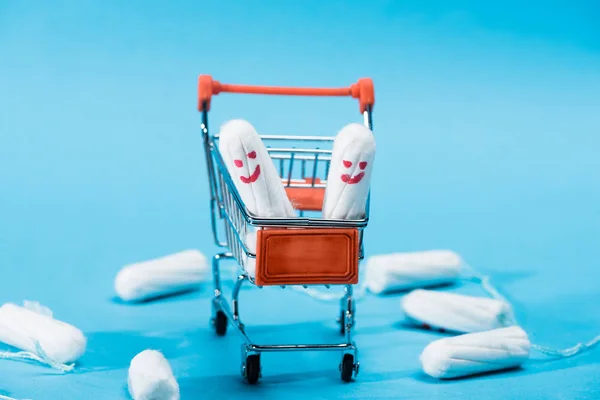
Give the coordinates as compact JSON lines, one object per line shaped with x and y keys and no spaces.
{"x":252,"y":154}
{"x":347,"y":164}
{"x":362,"y":164}
{"x":238,"y":163}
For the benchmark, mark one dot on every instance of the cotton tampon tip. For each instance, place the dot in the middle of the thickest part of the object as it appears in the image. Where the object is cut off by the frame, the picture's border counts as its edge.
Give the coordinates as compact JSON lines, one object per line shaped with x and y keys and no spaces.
{"x":476,"y":353}
{"x":151,"y":377}
{"x":161,"y":276}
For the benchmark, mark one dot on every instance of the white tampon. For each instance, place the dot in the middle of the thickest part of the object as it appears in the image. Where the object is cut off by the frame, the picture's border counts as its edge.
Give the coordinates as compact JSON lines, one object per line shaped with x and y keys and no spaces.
{"x":253,"y":171}
{"x":456,"y":312}
{"x":475,"y":353}
{"x":350,"y":173}
{"x":40,"y":336}
{"x":410,"y":270}
{"x":161,"y":276}
{"x":151,"y":377}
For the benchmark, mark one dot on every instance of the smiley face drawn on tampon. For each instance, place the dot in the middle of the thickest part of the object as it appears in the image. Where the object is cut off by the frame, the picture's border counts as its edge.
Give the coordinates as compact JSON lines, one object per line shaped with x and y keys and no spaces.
{"x":254,"y":176}
{"x":352,"y":180}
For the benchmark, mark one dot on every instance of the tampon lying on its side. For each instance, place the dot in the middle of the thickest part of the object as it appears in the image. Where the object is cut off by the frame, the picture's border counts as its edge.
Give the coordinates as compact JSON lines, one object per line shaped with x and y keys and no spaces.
{"x":404,"y":271}
{"x":475,"y":353}
{"x":456,"y":312}
{"x":171,"y":274}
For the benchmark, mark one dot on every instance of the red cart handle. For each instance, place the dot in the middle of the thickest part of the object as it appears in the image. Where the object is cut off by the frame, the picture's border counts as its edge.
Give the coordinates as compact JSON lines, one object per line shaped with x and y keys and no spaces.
{"x":362,"y":90}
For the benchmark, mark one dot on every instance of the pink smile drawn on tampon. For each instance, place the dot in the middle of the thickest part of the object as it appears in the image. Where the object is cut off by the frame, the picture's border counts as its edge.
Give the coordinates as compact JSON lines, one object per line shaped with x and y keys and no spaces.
{"x":351,"y":180}
{"x":252,"y":178}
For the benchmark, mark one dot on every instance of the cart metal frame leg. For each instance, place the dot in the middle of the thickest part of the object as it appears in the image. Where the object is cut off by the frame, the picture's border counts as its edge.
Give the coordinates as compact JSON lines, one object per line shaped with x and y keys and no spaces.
{"x":250,"y":367}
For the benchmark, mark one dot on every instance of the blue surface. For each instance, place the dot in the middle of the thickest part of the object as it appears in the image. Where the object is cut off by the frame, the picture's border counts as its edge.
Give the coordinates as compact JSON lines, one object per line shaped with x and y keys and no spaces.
{"x":487,"y":126}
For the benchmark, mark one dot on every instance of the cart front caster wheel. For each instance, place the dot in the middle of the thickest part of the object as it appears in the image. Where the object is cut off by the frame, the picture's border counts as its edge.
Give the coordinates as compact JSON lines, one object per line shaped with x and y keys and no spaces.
{"x":252,"y":368}
{"x":347,"y":367}
{"x":220,"y":322}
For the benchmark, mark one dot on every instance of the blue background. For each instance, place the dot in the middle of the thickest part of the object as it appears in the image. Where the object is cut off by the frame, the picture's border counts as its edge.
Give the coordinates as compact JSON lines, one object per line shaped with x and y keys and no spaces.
{"x":487,"y":123}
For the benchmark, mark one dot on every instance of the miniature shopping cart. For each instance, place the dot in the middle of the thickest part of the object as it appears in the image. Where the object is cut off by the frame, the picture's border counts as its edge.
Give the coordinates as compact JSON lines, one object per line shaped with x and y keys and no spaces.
{"x":301,"y":251}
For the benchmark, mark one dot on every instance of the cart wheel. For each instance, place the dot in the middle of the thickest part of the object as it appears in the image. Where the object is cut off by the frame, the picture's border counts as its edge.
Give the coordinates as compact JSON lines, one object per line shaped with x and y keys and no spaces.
{"x":347,"y":367}
{"x":252,"y":370}
{"x":220,"y":323}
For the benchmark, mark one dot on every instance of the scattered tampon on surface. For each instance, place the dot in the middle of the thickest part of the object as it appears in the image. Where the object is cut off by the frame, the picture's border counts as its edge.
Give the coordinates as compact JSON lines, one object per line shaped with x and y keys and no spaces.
{"x":456,"y":312}
{"x":475,"y":353}
{"x":45,"y":338}
{"x":161,"y":276}
{"x":411,"y":270}
{"x":253,"y":172}
{"x":349,"y":175}
{"x":151,"y":378}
